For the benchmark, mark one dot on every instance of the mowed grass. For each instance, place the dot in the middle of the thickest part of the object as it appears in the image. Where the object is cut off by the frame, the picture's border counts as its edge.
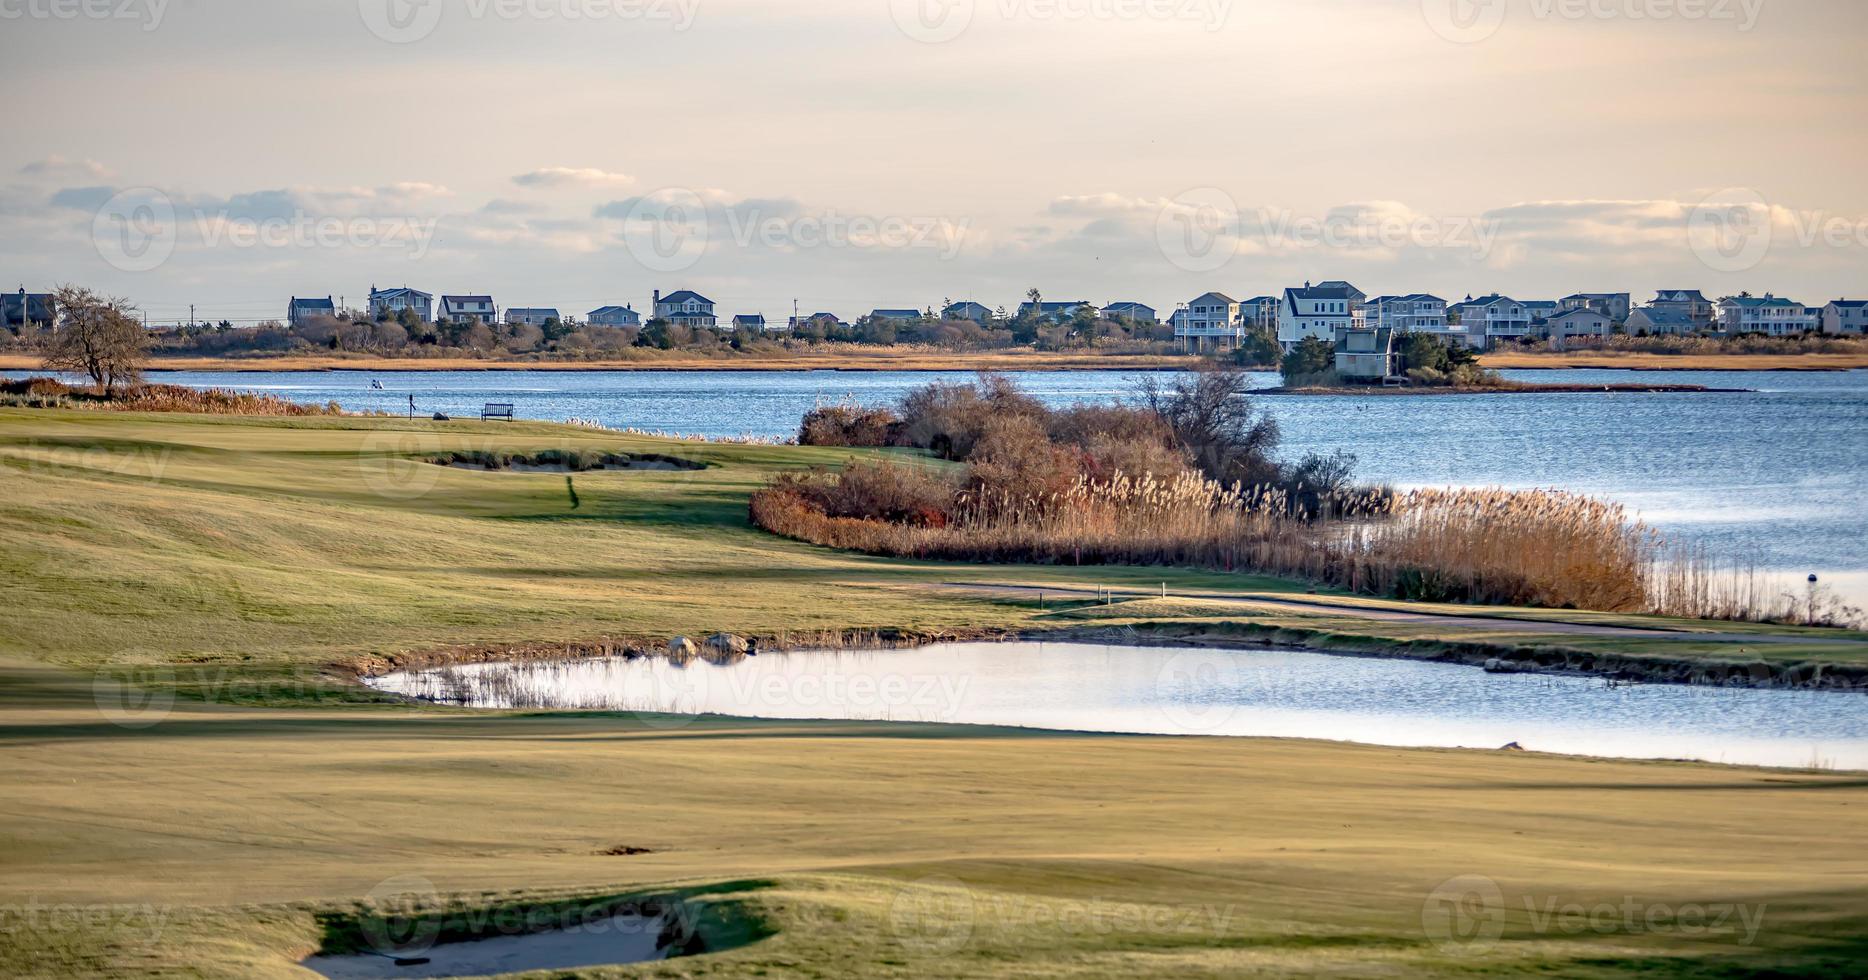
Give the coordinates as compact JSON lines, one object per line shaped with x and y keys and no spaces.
{"x":235,"y":561}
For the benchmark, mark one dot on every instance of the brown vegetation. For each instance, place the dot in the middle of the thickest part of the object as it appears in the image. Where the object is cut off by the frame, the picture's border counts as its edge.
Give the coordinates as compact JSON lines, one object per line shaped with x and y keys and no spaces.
{"x":52,"y":393}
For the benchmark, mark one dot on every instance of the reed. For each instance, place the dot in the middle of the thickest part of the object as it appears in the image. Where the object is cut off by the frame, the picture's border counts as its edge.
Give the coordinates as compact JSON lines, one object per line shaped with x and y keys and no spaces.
{"x":52,"y":393}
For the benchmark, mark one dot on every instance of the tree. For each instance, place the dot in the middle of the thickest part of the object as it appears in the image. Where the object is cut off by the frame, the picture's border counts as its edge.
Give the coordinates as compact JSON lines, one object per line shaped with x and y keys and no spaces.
{"x":97,"y":337}
{"x":1216,"y":424}
{"x":1311,"y":358}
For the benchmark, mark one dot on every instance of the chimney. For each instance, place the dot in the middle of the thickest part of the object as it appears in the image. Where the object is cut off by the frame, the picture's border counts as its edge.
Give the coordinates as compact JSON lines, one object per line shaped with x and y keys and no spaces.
{"x":658,"y":298}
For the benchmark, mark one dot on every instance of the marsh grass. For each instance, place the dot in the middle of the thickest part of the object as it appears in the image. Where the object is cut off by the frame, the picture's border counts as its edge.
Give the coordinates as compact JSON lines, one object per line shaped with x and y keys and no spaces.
{"x":52,"y":393}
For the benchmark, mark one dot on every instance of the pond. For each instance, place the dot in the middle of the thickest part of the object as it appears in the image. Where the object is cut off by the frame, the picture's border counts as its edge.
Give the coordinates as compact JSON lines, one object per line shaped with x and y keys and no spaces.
{"x":1171,"y":691}
{"x":613,"y":940}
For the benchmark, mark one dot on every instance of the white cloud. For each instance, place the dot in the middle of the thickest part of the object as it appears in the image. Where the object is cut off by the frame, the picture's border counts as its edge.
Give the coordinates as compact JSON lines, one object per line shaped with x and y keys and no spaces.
{"x":581,"y":177}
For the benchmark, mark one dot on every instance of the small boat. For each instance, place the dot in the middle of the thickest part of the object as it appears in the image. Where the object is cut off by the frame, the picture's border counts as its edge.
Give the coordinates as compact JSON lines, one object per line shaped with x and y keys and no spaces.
{"x":378,"y":385}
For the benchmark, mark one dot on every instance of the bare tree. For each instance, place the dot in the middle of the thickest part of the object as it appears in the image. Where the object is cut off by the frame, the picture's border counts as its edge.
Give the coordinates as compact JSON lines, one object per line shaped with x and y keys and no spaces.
{"x":98,"y":337}
{"x":1216,"y":424}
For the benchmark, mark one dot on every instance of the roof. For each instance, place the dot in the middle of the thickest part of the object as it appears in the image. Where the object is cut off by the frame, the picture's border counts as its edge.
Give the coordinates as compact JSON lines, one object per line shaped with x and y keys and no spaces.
{"x":1409,"y":298}
{"x":748,"y":318}
{"x":1596,"y":296}
{"x":1261,"y":299}
{"x":1222,"y":297}
{"x":895,"y":314}
{"x":1338,"y":284}
{"x":1128,"y":305}
{"x":530,"y":311}
{"x":1579,"y":311}
{"x":683,"y":295}
{"x":1491,"y":299}
{"x":1691,"y":294}
{"x":1663,"y":314}
{"x":466,"y":299}
{"x":967,"y":302}
{"x":1323,"y":291}
{"x":314,"y":302}
{"x":398,"y":291}
{"x":1849,"y":304}
{"x":1759,"y":302}
{"x":612,"y":310}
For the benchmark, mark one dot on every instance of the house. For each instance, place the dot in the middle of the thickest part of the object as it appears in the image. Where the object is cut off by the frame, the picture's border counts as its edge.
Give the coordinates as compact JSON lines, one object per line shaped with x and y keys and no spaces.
{"x":1690,"y":301}
{"x":1542,"y":309}
{"x":1656,"y":321}
{"x":1846,"y":316}
{"x":1366,"y":354}
{"x":684,"y":308}
{"x":1054,"y":312}
{"x":392,"y":302}
{"x":1356,"y":296}
{"x":1259,"y":313}
{"x":826,"y":321}
{"x":1765,"y":314}
{"x":1138,"y":312}
{"x":1316,"y":311}
{"x":614,"y":316}
{"x":897,"y":316}
{"x":968,"y":310}
{"x":749,"y":321}
{"x":300,"y":309}
{"x":462,"y":309}
{"x":1413,"y":313}
{"x":534,"y":316}
{"x":1615,"y":306}
{"x":1577,"y":322}
{"x":1493,"y":318}
{"x":1209,"y":321}
{"x":18,"y":310}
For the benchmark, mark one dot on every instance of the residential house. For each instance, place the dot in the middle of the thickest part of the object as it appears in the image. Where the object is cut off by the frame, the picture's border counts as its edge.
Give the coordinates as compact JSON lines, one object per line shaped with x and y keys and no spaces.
{"x":614,"y":316}
{"x":532,"y":316}
{"x":1576,"y":322}
{"x":1492,"y":318}
{"x":300,"y":309}
{"x":464,"y":309}
{"x":826,"y":321}
{"x":1689,"y":301}
{"x":1356,"y":296}
{"x":1658,"y":321}
{"x":1846,"y":316}
{"x":1138,"y":312}
{"x":1615,"y":306}
{"x":968,"y":310}
{"x":1366,"y":354}
{"x":1765,"y":314}
{"x":898,"y":316}
{"x":749,"y":321}
{"x":394,"y":301}
{"x":18,"y":310}
{"x":1413,"y":313}
{"x":1209,"y":321}
{"x":1316,"y":311}
{"x":1542,"y":309}
{"x":684,"y":308}
{"x":1054,"y":312}
{"x":1259,"y":313}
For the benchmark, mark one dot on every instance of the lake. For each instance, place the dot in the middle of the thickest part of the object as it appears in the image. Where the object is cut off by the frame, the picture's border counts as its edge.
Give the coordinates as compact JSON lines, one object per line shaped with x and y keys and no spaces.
{"x":1772,"y":476}
{"x":1167,"y":691}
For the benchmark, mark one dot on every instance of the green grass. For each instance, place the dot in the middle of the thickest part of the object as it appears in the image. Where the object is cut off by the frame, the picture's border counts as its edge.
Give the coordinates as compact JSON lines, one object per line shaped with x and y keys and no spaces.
{"x":242,"y":561}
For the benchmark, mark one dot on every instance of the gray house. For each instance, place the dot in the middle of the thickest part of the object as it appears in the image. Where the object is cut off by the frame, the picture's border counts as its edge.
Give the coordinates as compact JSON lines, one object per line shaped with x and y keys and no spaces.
{"x":685,"y":308}
{"x":968,"y":310}
{"x":1366,"y":354}
{"x":1578,"y":322}
{"x":394,"y":301}
{"x":749,"y":321}
{"x":1615,"y":306}
{"x":17,"y":310}
{"x":1846,"y":316}
{"x":302,"y":308}
{"x":1661,"y":321}
{"x":1138,"y":312}
{"x":897,"y":315}
{"x":614,"y":316}
{"x":536,"y":316}
{"x":461,"y":309}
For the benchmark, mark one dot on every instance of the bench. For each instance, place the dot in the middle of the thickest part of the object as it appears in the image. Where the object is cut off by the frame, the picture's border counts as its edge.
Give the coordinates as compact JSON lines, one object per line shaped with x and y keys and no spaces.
{"x":497,"y":410}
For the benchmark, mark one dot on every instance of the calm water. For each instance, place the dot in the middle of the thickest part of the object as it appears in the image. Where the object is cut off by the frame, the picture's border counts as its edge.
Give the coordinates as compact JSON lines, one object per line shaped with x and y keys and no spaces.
{"x":1772,"y":476}
{"x":1152,"y":690}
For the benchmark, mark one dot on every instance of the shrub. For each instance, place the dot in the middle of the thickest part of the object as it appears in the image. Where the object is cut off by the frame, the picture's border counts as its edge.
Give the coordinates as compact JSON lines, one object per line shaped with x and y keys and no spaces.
{"x":849,"y":425}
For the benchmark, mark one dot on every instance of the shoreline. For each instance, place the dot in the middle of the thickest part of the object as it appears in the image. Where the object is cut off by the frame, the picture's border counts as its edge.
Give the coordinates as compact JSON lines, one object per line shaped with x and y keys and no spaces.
{"x":916,"y":360}
{"x":1508,"y":389}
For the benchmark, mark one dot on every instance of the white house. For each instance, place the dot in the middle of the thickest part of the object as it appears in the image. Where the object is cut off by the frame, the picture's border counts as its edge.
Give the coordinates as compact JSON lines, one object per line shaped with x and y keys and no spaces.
{"x":1765,"y":314}
{"x":1846,"y":316}
{"x":1210,"y":321}
{"x":1138,"y":312}
{"x":614,"y":316}
{"x":1259,"y":313}
{"x":1493,"y":318}
{"x":684,"y":308}
{"x":749,"y":321}
{"x":460,"y":309}
{"x":1316,"y":311}
{"x":1689,"y":301}
{"x":394,"y":301}
{"x":535,"y":316}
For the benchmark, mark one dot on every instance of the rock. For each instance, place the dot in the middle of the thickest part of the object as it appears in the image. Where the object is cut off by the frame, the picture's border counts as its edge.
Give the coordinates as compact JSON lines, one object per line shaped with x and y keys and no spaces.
{"x":681,"y":650}
{"x":1511,"y":747}
{"x":439,"y":417}
{"x":725,"y":648}
{"x":1499,"y":665}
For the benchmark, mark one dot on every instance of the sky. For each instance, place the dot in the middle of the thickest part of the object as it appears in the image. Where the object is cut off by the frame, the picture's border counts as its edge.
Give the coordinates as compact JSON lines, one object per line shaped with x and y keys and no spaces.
{"x":845,"y":155}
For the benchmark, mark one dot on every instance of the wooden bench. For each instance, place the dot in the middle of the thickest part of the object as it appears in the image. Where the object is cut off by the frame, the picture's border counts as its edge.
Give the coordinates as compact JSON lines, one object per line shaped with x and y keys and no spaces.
{"x":497,"y":410}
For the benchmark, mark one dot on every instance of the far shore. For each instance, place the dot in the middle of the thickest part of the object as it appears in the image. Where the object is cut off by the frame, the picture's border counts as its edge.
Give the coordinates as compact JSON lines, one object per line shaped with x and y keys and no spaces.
{"x":1504,"y":389}
{"x":857,"y":359}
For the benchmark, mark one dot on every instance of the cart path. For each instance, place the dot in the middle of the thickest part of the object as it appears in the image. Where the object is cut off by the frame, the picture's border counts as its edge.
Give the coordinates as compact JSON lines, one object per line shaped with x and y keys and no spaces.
{"x":1494,"y":624}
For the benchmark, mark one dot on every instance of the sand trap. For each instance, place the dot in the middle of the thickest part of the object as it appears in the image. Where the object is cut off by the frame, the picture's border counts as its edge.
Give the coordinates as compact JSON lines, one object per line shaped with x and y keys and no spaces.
{"x":618,"y":939}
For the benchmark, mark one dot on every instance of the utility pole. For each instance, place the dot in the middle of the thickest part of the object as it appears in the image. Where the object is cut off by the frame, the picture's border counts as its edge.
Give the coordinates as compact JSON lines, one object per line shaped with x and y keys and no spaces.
{"x":191,"y":316}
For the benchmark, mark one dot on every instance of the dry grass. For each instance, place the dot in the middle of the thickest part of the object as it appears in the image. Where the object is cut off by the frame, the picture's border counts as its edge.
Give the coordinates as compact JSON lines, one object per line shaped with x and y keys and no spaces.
{"x":51,"y":393}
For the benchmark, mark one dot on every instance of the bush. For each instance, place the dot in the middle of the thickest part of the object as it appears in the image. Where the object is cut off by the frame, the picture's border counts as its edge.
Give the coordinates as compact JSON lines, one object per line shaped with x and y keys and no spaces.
{"x":1310,"y":360}
{"x":849,"y":425}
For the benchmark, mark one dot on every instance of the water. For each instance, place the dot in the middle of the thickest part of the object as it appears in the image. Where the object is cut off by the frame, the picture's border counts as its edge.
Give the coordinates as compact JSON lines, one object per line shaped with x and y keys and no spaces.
{"x":1771,"y":476}
{"x":1153,"y":690}
{"x":599,"y":942}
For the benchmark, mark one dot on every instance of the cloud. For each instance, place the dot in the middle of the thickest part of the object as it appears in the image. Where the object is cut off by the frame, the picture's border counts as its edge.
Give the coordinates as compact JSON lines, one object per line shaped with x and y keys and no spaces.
{"x":556,"y":177}
{"x":59,"y":168}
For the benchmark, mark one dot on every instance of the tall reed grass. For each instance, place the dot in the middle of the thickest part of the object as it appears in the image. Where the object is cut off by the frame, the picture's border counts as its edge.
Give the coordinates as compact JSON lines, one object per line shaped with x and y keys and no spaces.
{"x":52,"y":393}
